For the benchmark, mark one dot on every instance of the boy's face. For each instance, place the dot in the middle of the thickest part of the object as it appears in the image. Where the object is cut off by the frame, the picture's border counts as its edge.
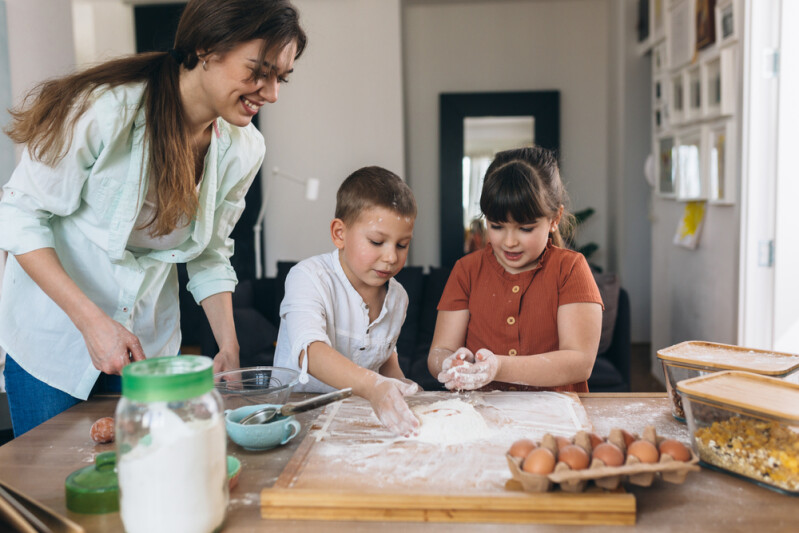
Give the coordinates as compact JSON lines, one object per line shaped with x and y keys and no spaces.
{"x":373,"y":248}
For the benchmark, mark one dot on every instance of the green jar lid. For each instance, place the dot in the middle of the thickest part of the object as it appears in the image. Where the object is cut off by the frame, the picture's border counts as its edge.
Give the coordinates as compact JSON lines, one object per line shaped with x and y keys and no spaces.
{"x":168,"y":379}
{"x":94,"y":489}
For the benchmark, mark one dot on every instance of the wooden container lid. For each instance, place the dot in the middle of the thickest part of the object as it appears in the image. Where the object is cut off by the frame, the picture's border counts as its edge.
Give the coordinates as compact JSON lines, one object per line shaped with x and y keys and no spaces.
{"x":754,"y":393}
{"x":715,"y":356}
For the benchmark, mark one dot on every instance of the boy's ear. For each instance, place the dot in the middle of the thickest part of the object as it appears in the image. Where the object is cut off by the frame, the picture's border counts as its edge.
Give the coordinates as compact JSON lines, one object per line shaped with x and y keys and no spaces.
{"x":337,"y":231}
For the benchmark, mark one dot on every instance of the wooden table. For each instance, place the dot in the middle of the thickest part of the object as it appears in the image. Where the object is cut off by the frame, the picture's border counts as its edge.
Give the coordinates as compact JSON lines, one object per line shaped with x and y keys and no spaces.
{"x":38,"y":462}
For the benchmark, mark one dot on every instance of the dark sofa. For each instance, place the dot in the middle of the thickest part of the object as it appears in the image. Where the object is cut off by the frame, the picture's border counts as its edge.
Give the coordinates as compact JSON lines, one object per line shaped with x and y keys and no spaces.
{"x":256,"y":306}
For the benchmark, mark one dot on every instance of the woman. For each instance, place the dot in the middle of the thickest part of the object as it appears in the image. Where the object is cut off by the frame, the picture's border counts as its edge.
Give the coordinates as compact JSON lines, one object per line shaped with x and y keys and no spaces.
{"x":131,"y":167}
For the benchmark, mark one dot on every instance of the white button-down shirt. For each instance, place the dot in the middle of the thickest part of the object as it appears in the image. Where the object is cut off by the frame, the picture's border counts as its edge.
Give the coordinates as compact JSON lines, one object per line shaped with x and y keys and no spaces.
{"x":85,"y":208}
{"x":322,"y":305}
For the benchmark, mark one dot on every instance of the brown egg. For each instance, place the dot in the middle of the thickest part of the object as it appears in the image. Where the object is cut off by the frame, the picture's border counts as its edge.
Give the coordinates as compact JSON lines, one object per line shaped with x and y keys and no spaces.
{"x":521,"y":448}
{"x":540,"y":461}
{"x":628,"y":438}
{"x":574,"y":456}
{"x":103,"y":430}
{"x":562,"y":442}
{"x":596,"y":440}
{"x":676,"y":449}
{"x":644,"y":450}
{"x":609,"y":453}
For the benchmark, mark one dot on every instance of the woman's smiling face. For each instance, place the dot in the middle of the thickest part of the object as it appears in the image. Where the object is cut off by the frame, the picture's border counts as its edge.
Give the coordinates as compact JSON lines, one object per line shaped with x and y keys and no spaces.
{"x":232,"y":92}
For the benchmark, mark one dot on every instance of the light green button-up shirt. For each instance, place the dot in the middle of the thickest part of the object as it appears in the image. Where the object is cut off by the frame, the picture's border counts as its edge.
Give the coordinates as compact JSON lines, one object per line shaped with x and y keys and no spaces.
{"x":85,"y":208}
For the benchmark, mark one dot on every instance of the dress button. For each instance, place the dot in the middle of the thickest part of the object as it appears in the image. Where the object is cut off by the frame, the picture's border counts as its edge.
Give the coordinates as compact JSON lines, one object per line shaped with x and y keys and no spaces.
{"x":511,"y":320}
{"x":512,"y":352}
{"x":516,"y":288}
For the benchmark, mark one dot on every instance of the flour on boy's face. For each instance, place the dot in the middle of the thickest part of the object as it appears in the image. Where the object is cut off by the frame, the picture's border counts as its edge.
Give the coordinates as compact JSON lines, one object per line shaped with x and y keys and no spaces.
{"x":375,"y":247}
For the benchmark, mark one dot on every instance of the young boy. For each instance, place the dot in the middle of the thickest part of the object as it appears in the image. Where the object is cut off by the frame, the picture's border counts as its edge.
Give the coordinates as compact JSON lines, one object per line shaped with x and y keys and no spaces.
{"x":342,"y":312}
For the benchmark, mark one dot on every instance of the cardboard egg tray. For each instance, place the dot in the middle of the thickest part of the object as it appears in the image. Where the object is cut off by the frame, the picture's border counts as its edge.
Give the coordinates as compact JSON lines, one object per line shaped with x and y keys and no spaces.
{"x":607,"y":477}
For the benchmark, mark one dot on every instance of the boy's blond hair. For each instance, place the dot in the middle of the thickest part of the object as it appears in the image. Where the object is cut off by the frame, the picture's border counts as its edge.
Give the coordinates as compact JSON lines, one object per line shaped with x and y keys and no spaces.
{"x":370,"y":187}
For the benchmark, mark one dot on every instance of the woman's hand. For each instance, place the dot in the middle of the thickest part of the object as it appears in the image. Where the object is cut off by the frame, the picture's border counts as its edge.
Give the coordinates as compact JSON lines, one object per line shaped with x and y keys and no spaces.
{"x":226,"y":360}
{"x":464,"y":371}
{"x":387,"y":399}
{"x":111,"y":346}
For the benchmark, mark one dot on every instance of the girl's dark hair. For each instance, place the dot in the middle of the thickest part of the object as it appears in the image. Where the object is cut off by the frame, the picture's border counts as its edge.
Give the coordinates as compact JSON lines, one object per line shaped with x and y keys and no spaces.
{"x":370,"y":187}
{"x":47,"y":116}
{"x":524,"y":185}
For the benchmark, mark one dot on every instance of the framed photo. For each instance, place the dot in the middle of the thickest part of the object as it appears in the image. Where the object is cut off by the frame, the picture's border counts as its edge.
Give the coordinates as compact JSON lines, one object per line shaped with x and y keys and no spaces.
{"x":657,"y":19}
{"x":705,"y":17}
{"x":721,"y":164}
{"x":677,"y":98}
{"x":689,"y":162}
{"x":692,"y":89}
{"x":680,"y":33}
{"x":665,"y":167}
{"x":728,"y":13}
{"x":711,"y":84}
{"x":728,"y":86}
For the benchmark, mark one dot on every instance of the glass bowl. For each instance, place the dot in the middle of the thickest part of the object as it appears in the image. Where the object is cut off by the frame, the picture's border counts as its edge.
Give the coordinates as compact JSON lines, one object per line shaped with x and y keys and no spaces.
{"x":256,"y":385}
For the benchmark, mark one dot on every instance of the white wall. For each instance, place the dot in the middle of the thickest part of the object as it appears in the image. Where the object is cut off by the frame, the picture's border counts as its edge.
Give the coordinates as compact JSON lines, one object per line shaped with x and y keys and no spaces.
{"x":629,"y":138}
{"x":104,"y":29}
{"x":39,"y":42}
{"x":342,"y":110}
{"x":7,"y":159}
{"x":502,"y":46}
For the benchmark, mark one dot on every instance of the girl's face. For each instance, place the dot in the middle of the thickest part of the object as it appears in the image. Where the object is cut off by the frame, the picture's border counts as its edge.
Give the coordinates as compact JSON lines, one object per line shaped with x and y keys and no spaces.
{"x":229,"y":87}
{"x":373,"y":248}
{"x":516,"y":246}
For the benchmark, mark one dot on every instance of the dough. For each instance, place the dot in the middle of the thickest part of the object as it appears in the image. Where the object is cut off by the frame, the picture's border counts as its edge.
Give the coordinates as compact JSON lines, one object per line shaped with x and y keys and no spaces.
{"x":450,"y":422}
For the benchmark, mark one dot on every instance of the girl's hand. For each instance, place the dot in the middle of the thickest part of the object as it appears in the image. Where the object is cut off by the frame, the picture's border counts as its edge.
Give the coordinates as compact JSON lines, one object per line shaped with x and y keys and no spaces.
{"x":226,"y":360}
{"x":111,"y":346}
{"x":470,"y":376}
{"x":389,"y":405}
{"x":460,"y":360}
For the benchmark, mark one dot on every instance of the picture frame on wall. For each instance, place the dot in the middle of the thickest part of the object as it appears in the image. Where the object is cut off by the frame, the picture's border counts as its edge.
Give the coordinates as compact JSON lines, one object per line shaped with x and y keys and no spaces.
{"x":727,"y":22}
{"x":689,"y":160}
{"x":712,"y":86}
{"x":677,"y":98}
{"x":721,"y":164}
{"x":666,"y":168}
{"x":680,"y":33}
{"x":705,"y":18}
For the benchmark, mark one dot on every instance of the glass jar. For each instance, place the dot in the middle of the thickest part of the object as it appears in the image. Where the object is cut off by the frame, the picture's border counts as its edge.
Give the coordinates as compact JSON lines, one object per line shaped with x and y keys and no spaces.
{"x":170,"y":434}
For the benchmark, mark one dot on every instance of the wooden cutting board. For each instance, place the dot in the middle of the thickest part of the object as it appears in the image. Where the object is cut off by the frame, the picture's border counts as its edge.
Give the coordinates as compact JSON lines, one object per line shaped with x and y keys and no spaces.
{"x":349,"y":467}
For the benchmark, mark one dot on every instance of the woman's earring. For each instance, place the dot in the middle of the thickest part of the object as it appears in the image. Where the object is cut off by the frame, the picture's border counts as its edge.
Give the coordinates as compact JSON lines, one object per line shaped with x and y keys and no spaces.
{"x":205,"y":64}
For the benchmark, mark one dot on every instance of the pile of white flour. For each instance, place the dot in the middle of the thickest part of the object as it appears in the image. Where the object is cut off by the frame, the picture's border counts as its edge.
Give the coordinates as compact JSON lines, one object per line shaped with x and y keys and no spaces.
{"x":450,"y":422}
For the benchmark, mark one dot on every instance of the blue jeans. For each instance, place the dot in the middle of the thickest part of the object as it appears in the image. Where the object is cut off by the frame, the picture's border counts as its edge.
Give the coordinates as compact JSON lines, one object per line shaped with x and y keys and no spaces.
{"x":32,"y":401}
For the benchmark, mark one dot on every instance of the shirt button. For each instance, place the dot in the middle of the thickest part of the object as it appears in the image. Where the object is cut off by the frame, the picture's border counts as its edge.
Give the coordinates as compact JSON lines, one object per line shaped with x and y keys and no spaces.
{"x":516,"y":288}
{"x":511,"y":320}
{"x":512,"y":352}
{"x":124,"y":309}
{"x":362,"y":348}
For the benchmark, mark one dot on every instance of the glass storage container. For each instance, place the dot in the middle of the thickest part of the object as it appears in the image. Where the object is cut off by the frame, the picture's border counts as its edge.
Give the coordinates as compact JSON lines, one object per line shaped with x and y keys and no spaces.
{"x":746,"y":424}
{"x":170,"y":433}
{"x":692,"y":359}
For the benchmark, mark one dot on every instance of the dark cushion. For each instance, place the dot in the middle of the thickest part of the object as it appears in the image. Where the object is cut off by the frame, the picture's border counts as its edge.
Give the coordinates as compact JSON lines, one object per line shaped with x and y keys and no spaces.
{"x":609,"y":286}
{"x":605,"y":376}
{"x":411,"y":279}
{"x":434,"y":284}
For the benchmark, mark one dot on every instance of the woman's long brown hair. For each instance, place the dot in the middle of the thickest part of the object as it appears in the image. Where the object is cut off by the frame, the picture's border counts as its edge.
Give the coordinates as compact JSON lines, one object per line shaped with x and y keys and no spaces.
{"x":45,"y":119}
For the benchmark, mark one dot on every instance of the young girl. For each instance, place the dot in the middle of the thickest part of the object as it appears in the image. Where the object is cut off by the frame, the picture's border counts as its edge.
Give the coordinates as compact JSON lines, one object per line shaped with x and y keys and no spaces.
{"x":523,"y":313}
{"x":130,"y":167}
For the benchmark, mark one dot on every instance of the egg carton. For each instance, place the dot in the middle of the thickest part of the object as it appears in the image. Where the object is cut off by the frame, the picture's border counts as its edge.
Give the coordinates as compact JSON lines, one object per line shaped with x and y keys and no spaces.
{"x":607,"y":477}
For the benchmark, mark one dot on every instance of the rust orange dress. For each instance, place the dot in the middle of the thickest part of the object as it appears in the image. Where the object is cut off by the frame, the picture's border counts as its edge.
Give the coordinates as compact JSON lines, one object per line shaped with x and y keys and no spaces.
{"x":517,"y":314}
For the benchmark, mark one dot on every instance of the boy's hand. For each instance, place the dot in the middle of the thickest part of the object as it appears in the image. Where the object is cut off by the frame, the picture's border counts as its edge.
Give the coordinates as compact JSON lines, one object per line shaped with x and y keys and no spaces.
{"x":470,"y":376}
{"x":390,"y":407}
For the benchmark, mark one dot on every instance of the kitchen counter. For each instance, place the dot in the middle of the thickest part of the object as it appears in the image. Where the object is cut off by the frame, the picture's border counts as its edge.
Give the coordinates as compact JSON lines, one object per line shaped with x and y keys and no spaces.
{"x":38,"y":462}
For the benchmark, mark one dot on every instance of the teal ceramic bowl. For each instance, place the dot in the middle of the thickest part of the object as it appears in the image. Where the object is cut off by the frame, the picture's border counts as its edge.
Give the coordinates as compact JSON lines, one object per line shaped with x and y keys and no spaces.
{"x":277,"y":432}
